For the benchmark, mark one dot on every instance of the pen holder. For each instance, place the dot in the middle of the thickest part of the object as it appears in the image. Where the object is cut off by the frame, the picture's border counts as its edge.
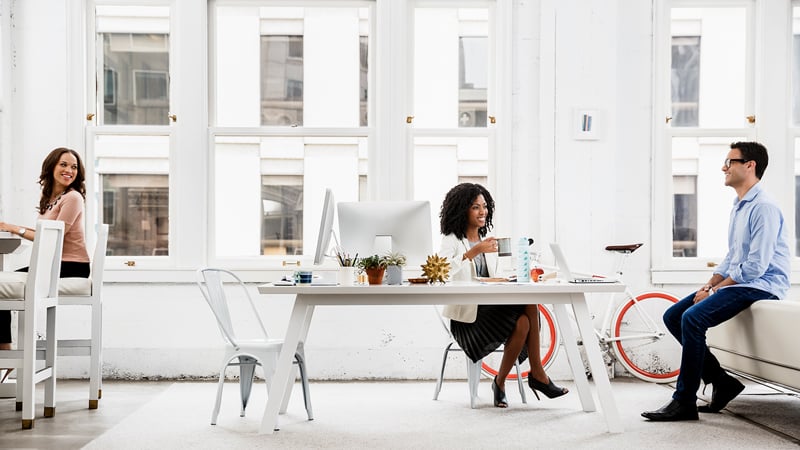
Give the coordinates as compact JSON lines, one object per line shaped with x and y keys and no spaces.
{"x":346,"y":276}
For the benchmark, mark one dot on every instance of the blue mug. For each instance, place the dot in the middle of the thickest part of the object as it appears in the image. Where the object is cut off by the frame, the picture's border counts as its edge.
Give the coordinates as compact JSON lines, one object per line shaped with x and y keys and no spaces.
{"x":303,"y":277}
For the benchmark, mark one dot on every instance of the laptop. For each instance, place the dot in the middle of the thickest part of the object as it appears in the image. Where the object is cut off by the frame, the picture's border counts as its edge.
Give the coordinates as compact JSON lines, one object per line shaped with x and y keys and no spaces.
{"x":562,"y":266}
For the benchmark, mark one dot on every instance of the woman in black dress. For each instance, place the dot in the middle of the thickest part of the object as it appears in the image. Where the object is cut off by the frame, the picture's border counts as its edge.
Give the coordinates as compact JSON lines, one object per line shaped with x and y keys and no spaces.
{"x":465,"y":220}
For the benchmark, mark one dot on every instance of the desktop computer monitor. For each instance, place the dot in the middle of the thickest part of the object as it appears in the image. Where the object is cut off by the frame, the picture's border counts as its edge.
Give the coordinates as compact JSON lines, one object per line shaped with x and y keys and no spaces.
{"x":325,"y":228}
{"x":375,"y":228}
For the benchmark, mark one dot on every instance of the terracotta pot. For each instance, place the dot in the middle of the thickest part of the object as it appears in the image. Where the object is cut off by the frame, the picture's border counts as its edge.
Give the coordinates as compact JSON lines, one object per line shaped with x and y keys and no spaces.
{"x":375,"y":276}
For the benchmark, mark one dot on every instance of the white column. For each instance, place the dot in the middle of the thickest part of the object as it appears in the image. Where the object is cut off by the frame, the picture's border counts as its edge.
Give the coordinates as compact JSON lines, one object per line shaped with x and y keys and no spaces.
{"x":526,"y":206}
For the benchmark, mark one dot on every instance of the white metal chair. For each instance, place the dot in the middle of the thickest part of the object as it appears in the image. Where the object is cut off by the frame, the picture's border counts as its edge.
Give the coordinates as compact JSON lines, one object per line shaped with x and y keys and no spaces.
{"x":88,"y":292}
{"x":473,"y":368}
{"x":27,"y":293}
{"x":249,"y":353}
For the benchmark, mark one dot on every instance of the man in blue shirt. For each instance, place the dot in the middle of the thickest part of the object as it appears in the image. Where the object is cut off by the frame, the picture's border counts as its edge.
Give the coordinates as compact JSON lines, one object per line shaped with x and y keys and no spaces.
{"x":757,"y":267}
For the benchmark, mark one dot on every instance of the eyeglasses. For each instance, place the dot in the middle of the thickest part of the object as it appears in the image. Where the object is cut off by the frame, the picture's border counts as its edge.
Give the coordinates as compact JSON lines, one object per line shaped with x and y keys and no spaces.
{"x":731,"y":160}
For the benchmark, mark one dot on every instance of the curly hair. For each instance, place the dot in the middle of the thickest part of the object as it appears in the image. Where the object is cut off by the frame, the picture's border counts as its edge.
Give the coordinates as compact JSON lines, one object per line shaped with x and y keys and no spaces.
{"x":46,"y":176}
{"x":455,"y":209}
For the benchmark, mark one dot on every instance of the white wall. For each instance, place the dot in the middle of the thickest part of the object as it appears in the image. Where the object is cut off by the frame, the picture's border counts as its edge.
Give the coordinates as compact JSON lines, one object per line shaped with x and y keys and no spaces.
{"x":589,"y":55}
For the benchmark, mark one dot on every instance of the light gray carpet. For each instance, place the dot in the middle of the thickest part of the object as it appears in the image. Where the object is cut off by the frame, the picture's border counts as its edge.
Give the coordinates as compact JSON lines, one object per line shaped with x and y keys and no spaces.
{"x":402,"y":415}
{"x":762,"y":405}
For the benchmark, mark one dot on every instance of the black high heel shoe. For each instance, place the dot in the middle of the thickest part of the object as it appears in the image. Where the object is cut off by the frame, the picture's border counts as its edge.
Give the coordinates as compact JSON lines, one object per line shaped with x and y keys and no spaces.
{"x":500,"y":400}
{"x":550,"y":389}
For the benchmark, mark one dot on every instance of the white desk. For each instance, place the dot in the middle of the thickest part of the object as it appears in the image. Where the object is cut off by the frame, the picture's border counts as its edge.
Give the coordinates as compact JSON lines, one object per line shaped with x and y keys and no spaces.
{"x":558,"y":294}
{"x":8,"y":244}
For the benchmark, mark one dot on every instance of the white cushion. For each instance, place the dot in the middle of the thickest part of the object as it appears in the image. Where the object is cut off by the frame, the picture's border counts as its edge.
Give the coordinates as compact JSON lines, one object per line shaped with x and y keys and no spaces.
{"x":761,"y":341}
{"x":75,"y":286}
{"x":12,"y":285}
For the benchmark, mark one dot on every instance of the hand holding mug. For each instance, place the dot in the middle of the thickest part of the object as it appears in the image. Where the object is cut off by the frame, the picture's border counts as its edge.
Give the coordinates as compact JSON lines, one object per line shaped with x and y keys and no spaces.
{"x":488,"y":245}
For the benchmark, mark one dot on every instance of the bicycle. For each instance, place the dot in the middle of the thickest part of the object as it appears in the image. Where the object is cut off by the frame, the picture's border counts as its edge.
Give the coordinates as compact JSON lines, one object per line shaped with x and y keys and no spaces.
{"x":635,"y":335}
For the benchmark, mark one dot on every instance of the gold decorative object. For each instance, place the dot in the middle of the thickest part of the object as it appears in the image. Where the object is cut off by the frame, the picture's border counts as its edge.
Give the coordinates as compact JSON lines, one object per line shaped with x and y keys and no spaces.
{"x":436,"y":269}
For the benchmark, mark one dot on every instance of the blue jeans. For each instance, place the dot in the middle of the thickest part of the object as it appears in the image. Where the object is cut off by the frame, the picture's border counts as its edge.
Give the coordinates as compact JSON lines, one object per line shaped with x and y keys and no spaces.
{"x":688,"y":322}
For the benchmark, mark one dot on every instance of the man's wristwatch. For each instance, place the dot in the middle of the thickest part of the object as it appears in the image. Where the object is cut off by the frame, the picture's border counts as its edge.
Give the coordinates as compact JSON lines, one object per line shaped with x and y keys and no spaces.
{"x":710,"y":290}
{"x":22,"y":231}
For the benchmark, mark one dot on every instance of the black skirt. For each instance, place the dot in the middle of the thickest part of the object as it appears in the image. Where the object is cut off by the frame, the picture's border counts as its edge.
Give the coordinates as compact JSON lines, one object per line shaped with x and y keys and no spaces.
{"x":491,"y":329}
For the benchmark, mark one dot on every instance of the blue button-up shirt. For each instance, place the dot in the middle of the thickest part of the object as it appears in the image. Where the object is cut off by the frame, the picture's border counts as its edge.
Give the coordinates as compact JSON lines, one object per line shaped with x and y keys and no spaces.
{"x":758,"y":253}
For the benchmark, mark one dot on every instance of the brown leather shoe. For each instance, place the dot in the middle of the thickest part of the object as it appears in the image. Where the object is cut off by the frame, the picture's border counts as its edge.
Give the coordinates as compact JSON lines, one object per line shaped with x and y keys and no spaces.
{"x":673,"y":411}
{"x":725,"y":390}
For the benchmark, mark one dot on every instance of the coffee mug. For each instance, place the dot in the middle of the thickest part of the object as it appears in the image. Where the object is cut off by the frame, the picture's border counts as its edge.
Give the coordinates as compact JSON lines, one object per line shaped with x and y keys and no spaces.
{"x":503,"y":246}
{"x":303,"y":277}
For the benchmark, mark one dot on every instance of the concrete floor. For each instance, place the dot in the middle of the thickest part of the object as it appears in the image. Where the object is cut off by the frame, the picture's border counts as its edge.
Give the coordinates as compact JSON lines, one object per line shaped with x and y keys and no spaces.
{"x":142,"y":414}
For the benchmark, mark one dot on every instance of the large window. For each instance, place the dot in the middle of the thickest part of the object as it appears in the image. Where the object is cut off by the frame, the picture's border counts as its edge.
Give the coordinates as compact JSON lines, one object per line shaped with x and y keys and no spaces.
{"x":451,"y":133}
{"x":721,"y":73}
{"x":228,"y":163}
{"x":708,"y":104}
{"x":308,"y":67}
{"x":131,"y":142}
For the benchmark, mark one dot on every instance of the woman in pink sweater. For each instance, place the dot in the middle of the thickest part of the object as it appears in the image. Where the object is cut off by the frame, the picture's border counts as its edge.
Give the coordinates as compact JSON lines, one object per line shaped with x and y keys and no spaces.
{"x":63,"y":197}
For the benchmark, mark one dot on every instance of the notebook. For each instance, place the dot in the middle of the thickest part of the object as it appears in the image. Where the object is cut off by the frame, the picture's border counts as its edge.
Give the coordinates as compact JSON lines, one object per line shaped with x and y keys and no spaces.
{"x":562,"y":266}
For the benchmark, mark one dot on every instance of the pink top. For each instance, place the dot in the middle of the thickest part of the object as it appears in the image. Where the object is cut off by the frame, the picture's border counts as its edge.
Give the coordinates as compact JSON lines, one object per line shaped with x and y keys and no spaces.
{"x":69,"y":209}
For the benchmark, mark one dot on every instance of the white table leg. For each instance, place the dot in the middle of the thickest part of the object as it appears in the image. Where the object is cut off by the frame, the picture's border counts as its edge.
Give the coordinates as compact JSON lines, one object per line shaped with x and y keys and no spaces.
{"x":301,"y":312}
{"x":574,"y":357}
{"x":596,"y":364}
{"x":96,"y":354}
{"x":290,"y":380}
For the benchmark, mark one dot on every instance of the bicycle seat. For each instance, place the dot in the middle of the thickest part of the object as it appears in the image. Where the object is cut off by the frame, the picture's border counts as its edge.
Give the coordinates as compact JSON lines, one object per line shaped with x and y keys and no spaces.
{"x":627,"y":248}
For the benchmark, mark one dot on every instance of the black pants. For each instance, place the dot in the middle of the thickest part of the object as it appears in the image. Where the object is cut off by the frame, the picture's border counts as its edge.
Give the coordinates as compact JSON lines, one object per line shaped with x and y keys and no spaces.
{"x":69,"y":269}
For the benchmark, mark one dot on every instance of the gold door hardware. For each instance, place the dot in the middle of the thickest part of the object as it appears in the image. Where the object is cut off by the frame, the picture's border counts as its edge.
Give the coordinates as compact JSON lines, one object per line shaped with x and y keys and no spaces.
{"x":751,"y":119}
{"x":711,"y":264}
{"x":492,"y":119}
{"x":90,"y":116}
{"x":173,"y":117}
{"x":130,"y":263}
{"x":290,"y":263}
{"x":668,"y":118}
{"x":409,"y":119}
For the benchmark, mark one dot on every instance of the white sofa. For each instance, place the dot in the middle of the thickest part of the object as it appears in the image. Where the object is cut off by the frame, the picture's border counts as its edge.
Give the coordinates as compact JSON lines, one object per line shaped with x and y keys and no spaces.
{"x":762,"y":341}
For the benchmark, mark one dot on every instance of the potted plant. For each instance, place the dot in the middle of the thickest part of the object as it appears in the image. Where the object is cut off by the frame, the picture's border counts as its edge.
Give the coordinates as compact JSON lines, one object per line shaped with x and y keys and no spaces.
{"x":374,"y":266}
{"x":394,"y":267}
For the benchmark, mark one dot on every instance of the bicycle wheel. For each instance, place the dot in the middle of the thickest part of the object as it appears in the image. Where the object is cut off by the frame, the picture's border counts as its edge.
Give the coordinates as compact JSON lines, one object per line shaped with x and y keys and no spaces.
{"x":548,"y":347}
{"x":641,"y":341}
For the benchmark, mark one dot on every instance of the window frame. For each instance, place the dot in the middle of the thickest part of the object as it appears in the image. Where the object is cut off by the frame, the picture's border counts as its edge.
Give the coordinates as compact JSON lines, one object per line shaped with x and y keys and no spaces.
{"x":95,"y":128}
{"x":281,"y":262}
{"x":190,"y":175}
{"x":766,"y":48}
